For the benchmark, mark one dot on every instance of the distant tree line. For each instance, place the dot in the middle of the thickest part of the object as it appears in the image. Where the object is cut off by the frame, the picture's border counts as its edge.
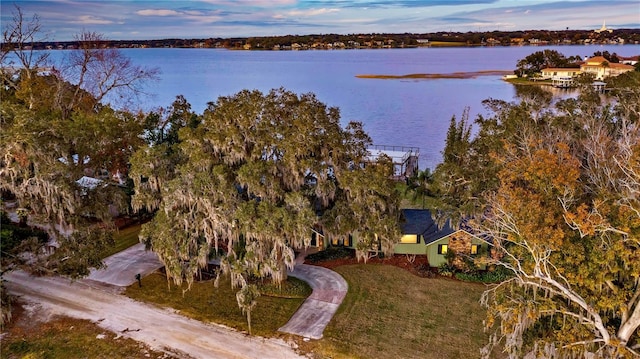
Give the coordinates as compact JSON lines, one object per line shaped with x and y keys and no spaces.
{"x":498,"y":38}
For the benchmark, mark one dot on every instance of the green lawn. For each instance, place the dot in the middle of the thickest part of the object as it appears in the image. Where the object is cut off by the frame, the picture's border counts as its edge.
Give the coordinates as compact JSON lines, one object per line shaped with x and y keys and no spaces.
{"x":387,"y":313}
{"x":206,"y":303}
{"x":390,"y":313}
{"x":527,"y":81}
{"x":408,"y":199}
{"x":124,"y":238}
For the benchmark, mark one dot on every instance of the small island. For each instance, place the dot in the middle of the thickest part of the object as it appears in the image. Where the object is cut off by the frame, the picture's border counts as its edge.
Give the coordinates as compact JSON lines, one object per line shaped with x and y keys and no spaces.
{"x":453,"y":75}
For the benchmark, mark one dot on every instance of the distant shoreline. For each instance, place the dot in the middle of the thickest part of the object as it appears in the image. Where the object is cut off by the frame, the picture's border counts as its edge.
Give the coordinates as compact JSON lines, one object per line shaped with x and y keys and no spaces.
{"x":453,"y":75}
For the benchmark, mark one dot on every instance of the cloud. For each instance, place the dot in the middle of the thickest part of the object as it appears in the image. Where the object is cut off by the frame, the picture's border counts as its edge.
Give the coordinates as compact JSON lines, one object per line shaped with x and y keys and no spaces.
{"x":252,"y":3}
{"x":91,"y":20}
{"x":311,"y":12}
{"x":184,"y":18}
{"x":405,"y":3}
{"x":157,"y":12}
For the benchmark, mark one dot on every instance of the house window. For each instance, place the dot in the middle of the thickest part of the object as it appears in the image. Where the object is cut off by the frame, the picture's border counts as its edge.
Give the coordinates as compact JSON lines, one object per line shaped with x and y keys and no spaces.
{"x":314,"y":241}
{"x":409,"y":238}
{"x":442,"y":249}
{"x":339,"y":241}
{"x":474,"y":249}
{"x":349,"y":241}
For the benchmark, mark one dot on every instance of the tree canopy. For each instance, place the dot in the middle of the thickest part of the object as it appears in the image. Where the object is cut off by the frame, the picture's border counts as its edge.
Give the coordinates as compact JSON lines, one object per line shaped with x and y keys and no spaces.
{"x":57,"y":127}
{"x":562,"y":215}
{"x":253,"y":177}
{"x":534,"y":63}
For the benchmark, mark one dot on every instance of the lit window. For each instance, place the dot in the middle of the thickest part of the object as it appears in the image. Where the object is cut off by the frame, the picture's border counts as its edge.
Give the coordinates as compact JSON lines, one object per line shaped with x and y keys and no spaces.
{"x":442,"y":249}
{"x":474,"y":248}
{"x":349,"y":241}
{"x":409,"y":238}
{"x":336,"y":242}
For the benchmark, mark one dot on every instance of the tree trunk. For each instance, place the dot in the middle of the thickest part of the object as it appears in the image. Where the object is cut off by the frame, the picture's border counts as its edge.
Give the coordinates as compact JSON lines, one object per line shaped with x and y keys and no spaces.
{"x":249,"y":320}
{"x":630,"y":326}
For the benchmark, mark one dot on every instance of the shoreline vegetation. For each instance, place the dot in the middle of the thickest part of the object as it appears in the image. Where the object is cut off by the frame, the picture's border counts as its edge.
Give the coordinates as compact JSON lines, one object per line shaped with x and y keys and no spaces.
{"x":453,"y":75}
{"x":375,"y":41}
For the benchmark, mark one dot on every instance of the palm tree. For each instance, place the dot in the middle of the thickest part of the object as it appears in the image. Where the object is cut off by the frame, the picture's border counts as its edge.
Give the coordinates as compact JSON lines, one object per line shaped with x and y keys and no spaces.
{"x":606,"y":71}
{"x":247,"y":299}
{"x":420,"y":185}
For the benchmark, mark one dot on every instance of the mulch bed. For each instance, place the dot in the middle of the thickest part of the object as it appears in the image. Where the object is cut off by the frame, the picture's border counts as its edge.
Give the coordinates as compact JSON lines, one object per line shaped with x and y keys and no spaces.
{"x":419,"y":266}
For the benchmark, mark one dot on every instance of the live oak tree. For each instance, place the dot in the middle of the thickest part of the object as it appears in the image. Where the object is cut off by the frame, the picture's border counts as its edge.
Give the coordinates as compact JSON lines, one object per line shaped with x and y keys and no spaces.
{"x":55,"y":129}
{"x":252,"y":179}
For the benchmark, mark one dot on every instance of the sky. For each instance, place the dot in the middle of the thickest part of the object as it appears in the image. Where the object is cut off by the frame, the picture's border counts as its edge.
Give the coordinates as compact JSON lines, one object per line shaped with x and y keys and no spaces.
{"x":161,"y":19}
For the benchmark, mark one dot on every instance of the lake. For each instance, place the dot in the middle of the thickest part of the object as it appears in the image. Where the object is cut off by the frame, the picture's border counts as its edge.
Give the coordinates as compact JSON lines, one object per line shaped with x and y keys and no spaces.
{"x":406,"y":112}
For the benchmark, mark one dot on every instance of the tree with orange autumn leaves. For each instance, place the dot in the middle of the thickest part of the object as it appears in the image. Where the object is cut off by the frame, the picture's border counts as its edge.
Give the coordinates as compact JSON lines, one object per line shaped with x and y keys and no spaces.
{"x":563,"y":215}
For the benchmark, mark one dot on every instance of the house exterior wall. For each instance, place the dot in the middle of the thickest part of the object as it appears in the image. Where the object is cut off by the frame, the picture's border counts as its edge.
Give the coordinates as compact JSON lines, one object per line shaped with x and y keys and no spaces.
{"x":460,"y":242}
{"x":560,"y":72}
{"x":595,"y":66}
{"x":411,"y":248}
{"x":435,"y":259}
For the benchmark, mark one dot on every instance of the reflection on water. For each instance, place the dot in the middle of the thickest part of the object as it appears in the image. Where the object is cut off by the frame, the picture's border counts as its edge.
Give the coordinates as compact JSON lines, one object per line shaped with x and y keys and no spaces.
{"x":402,"y":112}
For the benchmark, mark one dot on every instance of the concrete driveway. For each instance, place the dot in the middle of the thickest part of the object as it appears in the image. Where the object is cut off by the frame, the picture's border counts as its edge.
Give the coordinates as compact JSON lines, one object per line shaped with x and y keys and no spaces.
{"x":329,"y":289}
{"x":122,"y":267}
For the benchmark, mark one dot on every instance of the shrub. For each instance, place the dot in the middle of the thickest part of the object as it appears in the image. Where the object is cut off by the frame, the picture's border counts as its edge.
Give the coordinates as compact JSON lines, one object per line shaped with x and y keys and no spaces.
{"x":12,"y":236}
{"x":331,"y":253}
{"x":446,"y":270}
{"x":496,"y":276}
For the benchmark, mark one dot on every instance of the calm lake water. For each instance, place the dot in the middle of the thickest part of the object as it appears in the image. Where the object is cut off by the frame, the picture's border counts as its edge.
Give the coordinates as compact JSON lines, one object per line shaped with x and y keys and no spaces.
{"x":412,"y":113}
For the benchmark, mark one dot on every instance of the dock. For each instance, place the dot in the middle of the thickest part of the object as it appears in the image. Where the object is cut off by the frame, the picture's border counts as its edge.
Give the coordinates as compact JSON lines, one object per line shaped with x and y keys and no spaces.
{"x":405,"y":159}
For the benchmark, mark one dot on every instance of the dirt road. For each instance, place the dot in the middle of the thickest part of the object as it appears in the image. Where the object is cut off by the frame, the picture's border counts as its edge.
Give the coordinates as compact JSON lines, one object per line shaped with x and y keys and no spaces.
{"x":159,"y":328}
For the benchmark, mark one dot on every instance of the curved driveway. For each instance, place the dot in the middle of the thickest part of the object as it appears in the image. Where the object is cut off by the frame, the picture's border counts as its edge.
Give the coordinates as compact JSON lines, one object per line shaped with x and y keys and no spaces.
{"x":329,"y":289}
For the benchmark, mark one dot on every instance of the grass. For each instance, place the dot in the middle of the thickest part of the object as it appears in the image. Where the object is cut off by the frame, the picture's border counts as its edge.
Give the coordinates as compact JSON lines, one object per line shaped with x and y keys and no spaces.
{"x":293,"y":288}
{"x":124,"y":238}
{"x":64,"y":338}
{"x":409,"y":200}
{"x":390,"y":313}
{"x":387,"y":313}
{"x":206,"y":303}
{"x":527,"y":81}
